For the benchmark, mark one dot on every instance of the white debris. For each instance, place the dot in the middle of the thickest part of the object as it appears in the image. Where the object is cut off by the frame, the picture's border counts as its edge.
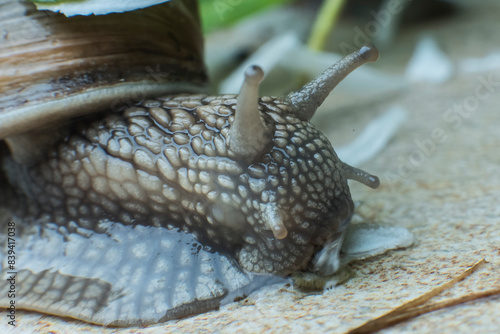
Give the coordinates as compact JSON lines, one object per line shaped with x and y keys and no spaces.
{"x":373,"y":138}
{"x":429,"y":63}
{"x":96,"y":7}
{"x":366,"y":240}
{"x":487,"y":63}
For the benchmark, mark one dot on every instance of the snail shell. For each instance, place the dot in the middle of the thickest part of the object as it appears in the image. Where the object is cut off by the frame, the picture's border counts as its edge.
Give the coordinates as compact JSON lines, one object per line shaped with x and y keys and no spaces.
{"x":55,"y":68}
{"x":137,"y":214}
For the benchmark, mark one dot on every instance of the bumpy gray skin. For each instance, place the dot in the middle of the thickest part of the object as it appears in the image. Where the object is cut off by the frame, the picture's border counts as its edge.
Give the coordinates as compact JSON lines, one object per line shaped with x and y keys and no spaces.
{"x":146,"y":215}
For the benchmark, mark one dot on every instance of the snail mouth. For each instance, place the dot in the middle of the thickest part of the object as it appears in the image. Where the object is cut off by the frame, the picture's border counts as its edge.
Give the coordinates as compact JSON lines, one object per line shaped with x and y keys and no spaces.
{"x":326,"y":260}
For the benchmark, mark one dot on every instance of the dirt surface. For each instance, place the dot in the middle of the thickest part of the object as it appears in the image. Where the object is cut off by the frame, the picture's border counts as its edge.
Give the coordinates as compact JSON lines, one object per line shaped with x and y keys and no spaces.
{"x":440,"y":179}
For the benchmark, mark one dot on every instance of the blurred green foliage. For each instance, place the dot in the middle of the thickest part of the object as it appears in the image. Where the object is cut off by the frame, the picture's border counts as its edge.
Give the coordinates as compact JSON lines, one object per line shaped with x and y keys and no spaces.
{"x":220,"y":13}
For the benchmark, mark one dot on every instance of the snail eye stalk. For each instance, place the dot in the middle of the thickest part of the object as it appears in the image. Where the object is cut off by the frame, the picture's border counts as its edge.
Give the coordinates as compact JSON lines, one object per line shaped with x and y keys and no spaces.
{"x":248,"y":135}
{"x":305,"y":101}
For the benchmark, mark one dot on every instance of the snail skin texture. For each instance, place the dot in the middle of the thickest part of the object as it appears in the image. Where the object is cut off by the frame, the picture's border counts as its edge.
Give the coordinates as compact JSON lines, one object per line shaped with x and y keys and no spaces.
{"x":174,"y":205}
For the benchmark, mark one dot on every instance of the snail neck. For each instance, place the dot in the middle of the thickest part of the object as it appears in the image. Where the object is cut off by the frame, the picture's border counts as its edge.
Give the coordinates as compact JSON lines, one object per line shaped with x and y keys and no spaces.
{"x":28,"y":148}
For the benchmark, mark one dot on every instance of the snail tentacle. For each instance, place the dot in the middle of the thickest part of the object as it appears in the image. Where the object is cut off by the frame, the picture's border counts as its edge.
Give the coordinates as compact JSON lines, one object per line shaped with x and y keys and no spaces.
{"x":272,"y":218}
{"x":248,"y":135}
{"x":353,"y":173}
{"x":305,"y":101}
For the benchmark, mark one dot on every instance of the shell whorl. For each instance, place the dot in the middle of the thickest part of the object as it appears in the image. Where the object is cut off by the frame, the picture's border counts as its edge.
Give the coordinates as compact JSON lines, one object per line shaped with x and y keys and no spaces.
{"x":53,"y":68}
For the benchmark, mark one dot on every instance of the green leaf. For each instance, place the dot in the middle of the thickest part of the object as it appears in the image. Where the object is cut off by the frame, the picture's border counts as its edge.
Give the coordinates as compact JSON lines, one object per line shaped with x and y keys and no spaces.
{"x":219,"y":13}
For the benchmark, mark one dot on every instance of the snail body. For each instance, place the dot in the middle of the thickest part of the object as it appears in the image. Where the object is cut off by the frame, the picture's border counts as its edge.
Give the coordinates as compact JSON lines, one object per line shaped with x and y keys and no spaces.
{"x":155,"y":210}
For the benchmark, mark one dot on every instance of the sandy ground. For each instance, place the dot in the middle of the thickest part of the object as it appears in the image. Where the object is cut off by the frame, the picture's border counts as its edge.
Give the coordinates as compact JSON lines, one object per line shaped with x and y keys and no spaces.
{"x":440,"y":179}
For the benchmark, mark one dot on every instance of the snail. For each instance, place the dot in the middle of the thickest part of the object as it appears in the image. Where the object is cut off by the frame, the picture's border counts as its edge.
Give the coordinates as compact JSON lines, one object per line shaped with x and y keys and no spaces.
{"x":137,"y":212}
